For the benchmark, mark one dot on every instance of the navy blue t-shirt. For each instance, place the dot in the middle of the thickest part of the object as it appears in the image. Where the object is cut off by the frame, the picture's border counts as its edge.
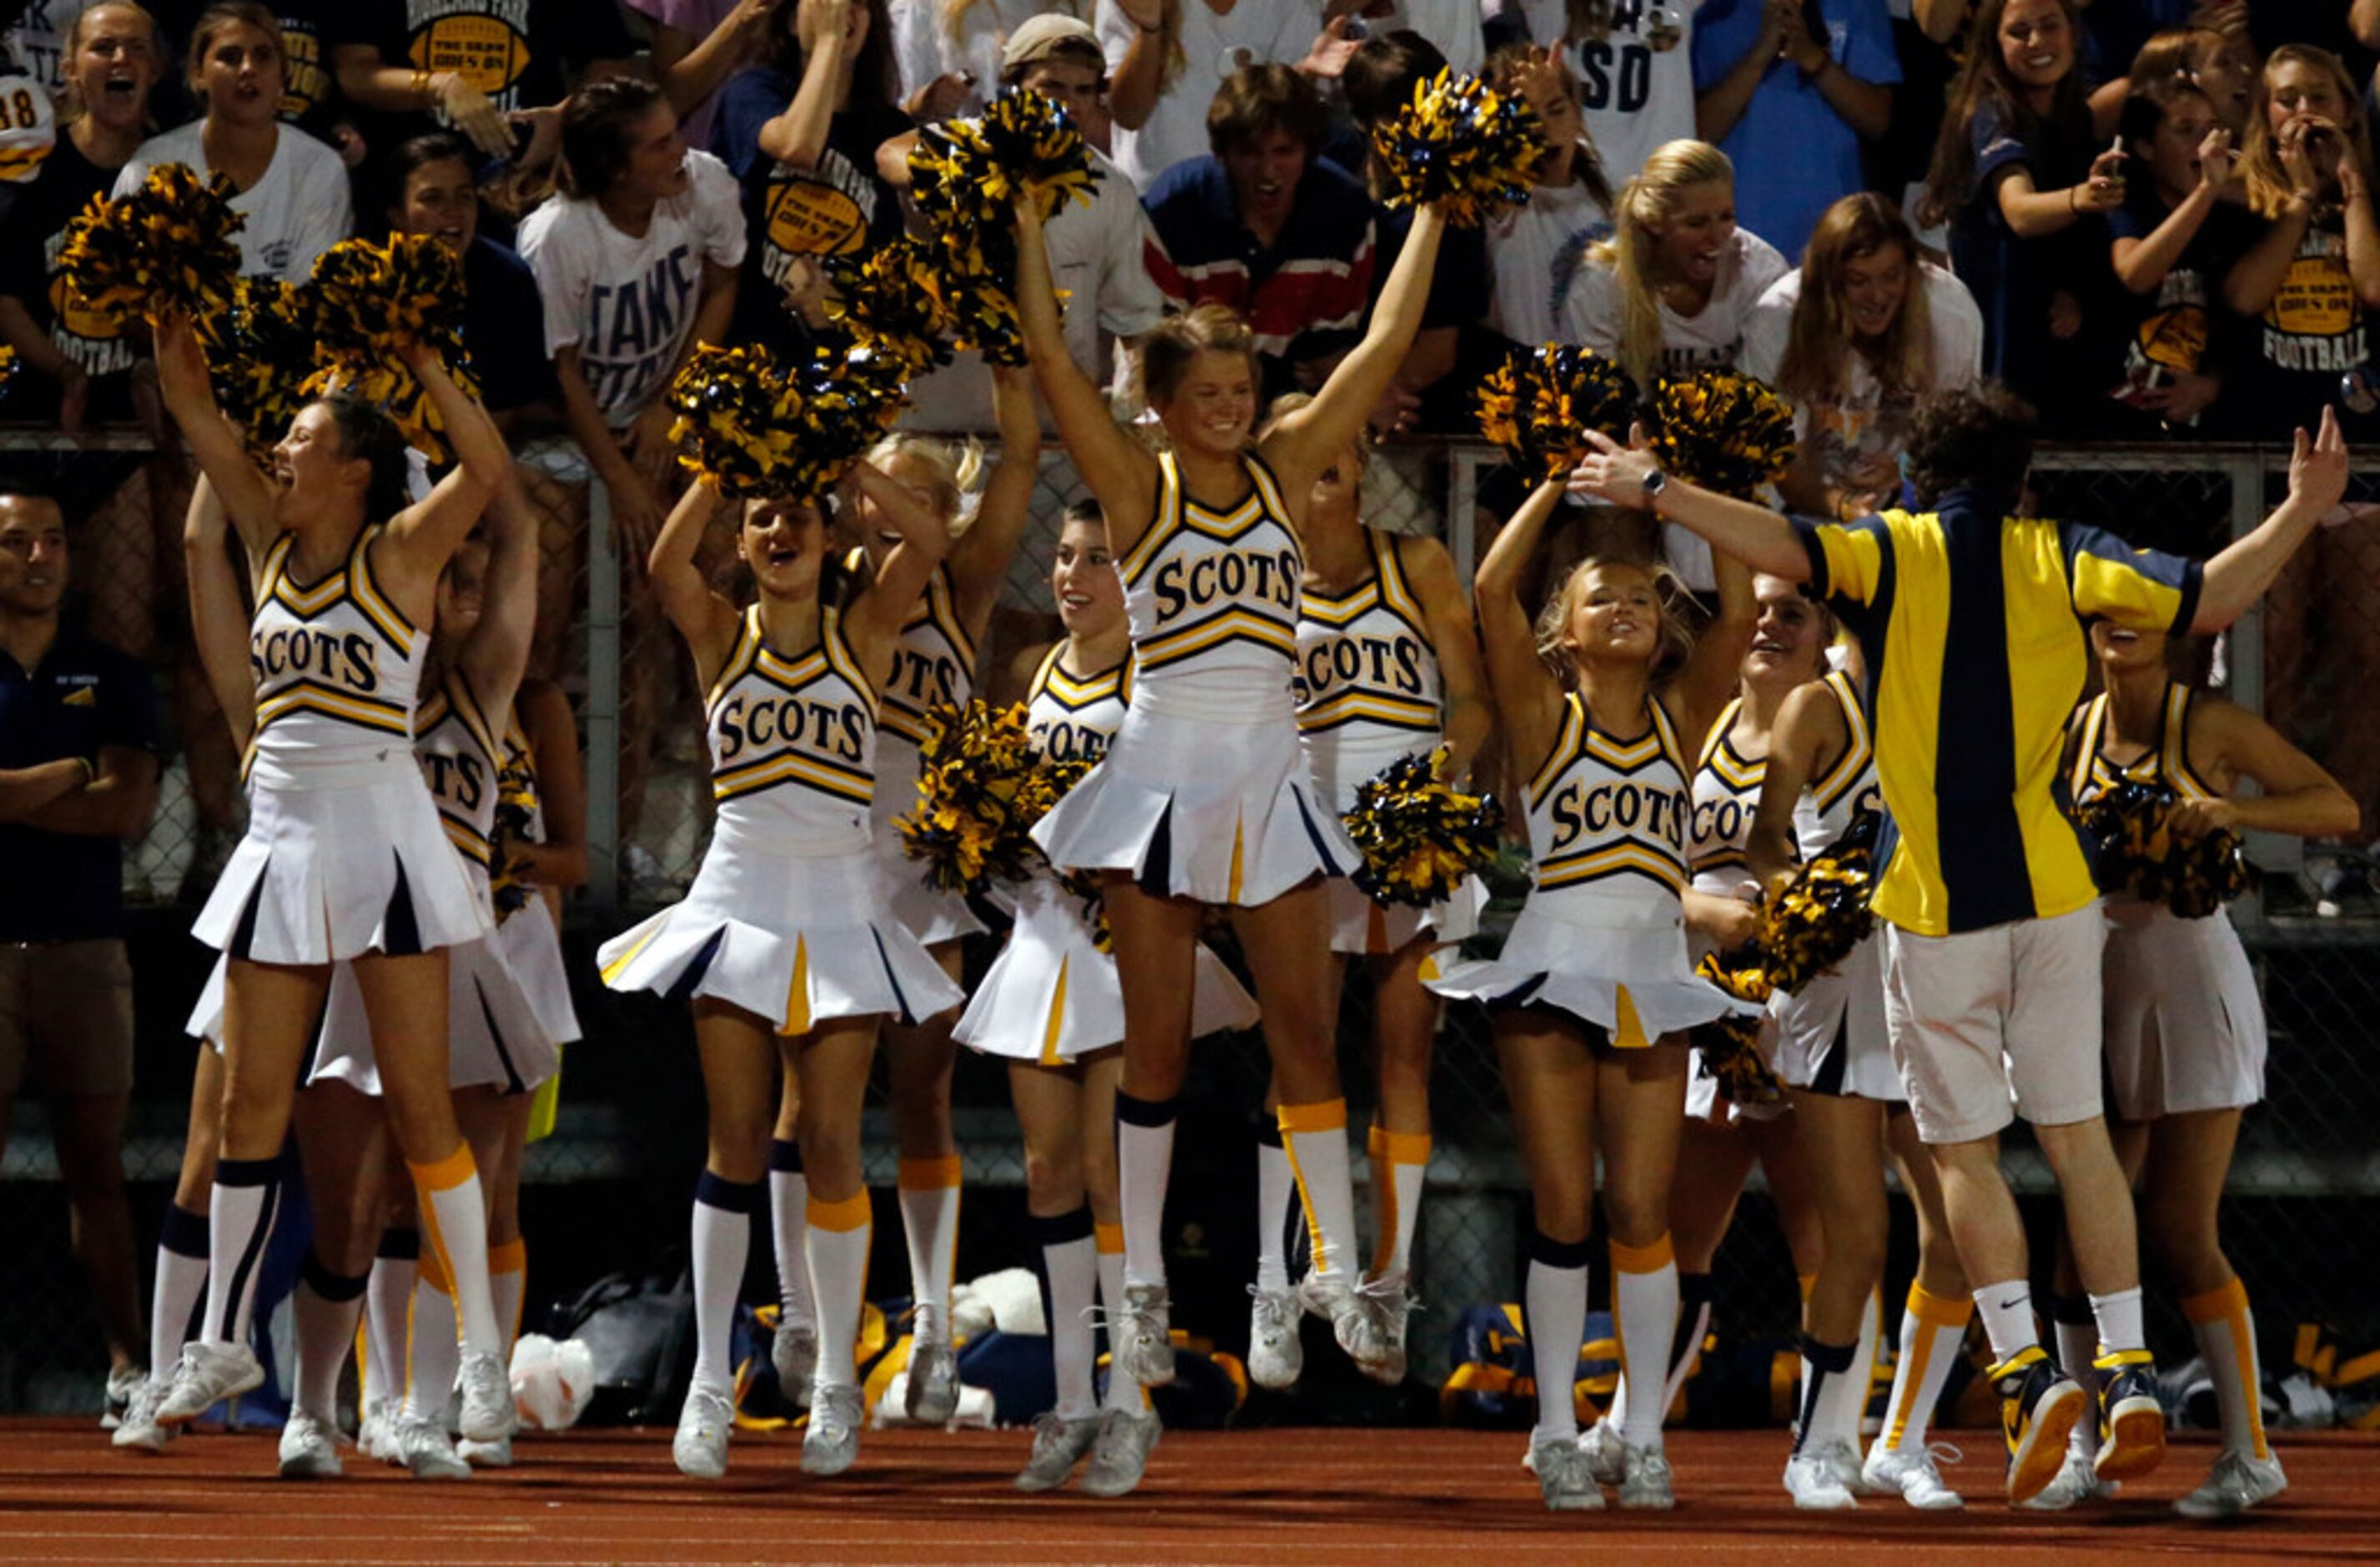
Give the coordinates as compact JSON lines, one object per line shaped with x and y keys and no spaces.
{"x":504,"y":328}
{"x":2176,"y":327}
{"x":84,"y":695}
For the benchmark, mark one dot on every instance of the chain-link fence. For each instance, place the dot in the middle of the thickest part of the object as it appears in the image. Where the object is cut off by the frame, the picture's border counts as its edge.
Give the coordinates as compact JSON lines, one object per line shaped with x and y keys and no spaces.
{"x":608,"y":1191}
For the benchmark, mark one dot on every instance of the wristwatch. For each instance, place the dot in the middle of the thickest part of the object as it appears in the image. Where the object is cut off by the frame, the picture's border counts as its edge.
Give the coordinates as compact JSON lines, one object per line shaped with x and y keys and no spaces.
{"x":1652,"y":485}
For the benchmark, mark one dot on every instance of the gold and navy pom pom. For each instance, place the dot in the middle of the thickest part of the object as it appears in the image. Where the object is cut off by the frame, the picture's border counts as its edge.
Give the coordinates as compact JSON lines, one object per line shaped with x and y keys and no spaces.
{"x":516,"y":809}
{"x":9,"y":365}
{"x":1730,"y":1045}
{"x":260,"y":357}
{"x":1420,"y":838}
{"x":968,"y":173}
{"x":1461,"y":147}
{"x":896,"y":301}
{"x":980,"y":791}
{"x":1539,"y":405}
{"x":2135,"y":852}
{"x":849,"y":396}
{"x":1721,"y":429}
{"x":1822,"y":913}
{"x":369,"y":301}
{"x":167,"y":245}
{"x":735,"y":419}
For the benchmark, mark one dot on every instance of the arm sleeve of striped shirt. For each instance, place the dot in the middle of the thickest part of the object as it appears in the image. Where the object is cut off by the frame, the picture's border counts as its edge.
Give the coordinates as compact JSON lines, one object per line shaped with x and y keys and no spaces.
{"x":2147,"y":589}
{"x":1847,"y":559}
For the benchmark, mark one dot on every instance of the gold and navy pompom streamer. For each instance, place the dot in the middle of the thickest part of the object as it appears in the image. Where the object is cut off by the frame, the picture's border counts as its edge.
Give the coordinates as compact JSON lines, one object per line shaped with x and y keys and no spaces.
{"x":894,"y":299}
{"x":1461,"y":147}
{"x":1822,"y":914}
{"x":369,"y":301}
{"x":980,"y":791}
{"x":1721,"y":429}
{"x":849,"y":394}
{"x":166,"y":246}
{"x":516,"y":809}
{"x":1730,"y":1045}
{"x":9,"y":365}
{"x":735,"y":419}
{"x":1420,"y":838}
{"x":2135,"y":853}
{"x":259,"y":357}
{"x":1538,"y":405}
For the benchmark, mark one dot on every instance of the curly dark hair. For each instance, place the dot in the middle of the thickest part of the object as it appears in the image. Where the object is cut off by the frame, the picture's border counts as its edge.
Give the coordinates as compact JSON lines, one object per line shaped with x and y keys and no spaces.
{"x":1979,"y":435}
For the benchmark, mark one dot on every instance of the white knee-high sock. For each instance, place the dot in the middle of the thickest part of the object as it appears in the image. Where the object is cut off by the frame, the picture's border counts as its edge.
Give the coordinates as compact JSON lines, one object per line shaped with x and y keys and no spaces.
{"x":928,"y":1190}
{"x":455,"y":1221}
{"x":181,"y":1283}
{"x":2225,"y":1331}
{"x":1070,"y":1262}
{"x":1554,"y":1306}
{"x":387,"y":1301}
{"x":326,"y":1306}
{"x":840,"y":1234}
{"x":239,"y":1222}
{"x":789,"y":1202}
{"x":1123,"y":1391}
{"x":1932,"y":1328}
{"x":433,"y":1352}
{"x":722,"y":1242}
{"x":1276,"y":1189}
{"x":1144,"y":1165}
{"x":1870,"y":1345}
{"x":1314,"y":1137}
{"x":1832,"y":1392}
{"x":1645,"y":1311}
{"x":1399,"y":1164}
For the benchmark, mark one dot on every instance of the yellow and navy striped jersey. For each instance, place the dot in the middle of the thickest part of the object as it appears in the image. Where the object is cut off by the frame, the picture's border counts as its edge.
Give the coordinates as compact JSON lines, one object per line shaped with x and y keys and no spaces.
{"x":1972,"y":626}
{"x":1608,"y":817}
{"x":1212,"y":598}
{"x":1726,"y":792}
{"x":1366,"y":680}
{"x":792,"y":742}
{"x":1074,"y":718}
{"x":1826,"y":808}
{"x":461,"y":759}
{"x":2166,"y":763}
{"x":338,"y":670}
{"x":933,"y":666}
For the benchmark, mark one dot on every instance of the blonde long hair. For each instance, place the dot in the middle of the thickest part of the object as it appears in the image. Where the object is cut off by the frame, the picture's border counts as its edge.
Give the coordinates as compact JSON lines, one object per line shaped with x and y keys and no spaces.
{"x":1819,"y":344}
{"x":1646,"y":204}
{"x":2259,"y":160}
{"x":1669,"y":592}
{"x":953,"y":473}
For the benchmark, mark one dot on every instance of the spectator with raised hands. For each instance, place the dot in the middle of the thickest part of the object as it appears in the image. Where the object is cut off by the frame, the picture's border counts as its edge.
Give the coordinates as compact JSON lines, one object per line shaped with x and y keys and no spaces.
{"x":1166,"y":60}
{"x":1634,"y":69}
{"x":485,"y":67}
{"x":697,"y":46}
{"x":1535,"y":248}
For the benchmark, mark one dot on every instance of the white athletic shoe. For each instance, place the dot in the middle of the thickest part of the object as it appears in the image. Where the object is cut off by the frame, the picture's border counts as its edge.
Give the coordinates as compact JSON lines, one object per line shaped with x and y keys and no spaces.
{"x":1330,"y":1298}
{"x":497,"y":1454}
{"x":932,"y":1394}
{"x":793,"y":1352}
{"x":1606,"y":1455}
{"x":1910,"y":1473}
{"x":2077,"y":1482}
{"x":309,"y":1450}
{"x":1276,"y":1355}
{"x":139,"y":1429}
{"x":1645,"y":1485}
{"x":1142,"y":1336}
{"x":1058,"y":1446}
{"x":123,"y":1382}
{"x":207,"y":1374}
{"x":1121,"y":1455}
{"x":426,"y":1451}
{"x":373,"y":1427}
{"x":833,"y":1440}
{"x":1385,"y":1302}
{"x":488,"y":1409}
{"x":1814,"y":1478}
{"x":703,"y":1422}
{"x":2238,"y":1482}
{"x":1562,"y":1479}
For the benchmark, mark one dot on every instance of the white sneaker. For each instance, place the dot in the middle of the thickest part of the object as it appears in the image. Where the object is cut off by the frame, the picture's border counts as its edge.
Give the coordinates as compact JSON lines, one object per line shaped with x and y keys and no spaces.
{"x":1644,"y":1484}
{"x":1385,"y":1301}
{"x":703,"y":1422}
{"x":1058,"y":1446}
{"x":1910,"y":1474}
{"x":932,"y":1394}
{"x":309,"y":1450}
{"x":139,"y":1429}
{"x":207,"y":1374}
{"x":123,"y":1382}
{"x":1276,"y":1355}
{"x":1120,"y":1457}
{"x":833,"y":1440}
{"x":1815,"y":1483}
{"x":1141,"y":1336}
{"x":425,"y":1450}
{"x":1606,"y":1455}
{"x":2238,"y":1482}
{"x":2078,"y":1481}
{"x":497,"y":1454}
{"x":488,"y":1409}
{"x":793,"y":1352}
{"x":373,"y":1429}
{"x":1562,"y":1479}
{"x":1330,"y":1298}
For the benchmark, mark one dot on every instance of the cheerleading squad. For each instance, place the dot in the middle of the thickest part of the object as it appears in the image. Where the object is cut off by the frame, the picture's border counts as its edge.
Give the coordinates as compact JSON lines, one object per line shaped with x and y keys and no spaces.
{"x":1241,"y":654}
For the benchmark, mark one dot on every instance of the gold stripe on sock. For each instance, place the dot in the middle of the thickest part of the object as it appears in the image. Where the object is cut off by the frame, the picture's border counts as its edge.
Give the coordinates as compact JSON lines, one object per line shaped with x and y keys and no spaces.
{"x":840,"y":1217}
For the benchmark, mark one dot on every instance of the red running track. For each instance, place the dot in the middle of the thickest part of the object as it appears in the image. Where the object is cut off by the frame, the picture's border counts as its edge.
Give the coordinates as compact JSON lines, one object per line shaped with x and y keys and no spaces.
{"x":1325,"y":1495}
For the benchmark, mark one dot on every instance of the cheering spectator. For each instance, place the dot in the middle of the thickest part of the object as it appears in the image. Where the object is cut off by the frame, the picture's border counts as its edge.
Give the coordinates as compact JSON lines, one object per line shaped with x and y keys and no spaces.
{"x":1166,"y":60}
{"x":291,"y":189}
{"x":430,"y":189}
{"x":310,"y":94}
{"x":1634,"y":69}
{"x":83,"y":362}
{"x":2015,"y":176}
{"x":1262,"y":226}
{"x":800,"y":131}
{"x":697,"y":46}
{"x":1864,"y":331}
{"x":1790,"y":92}
{"x":950,"y":52}
{"x":2215,"y":63}
{"x":1535,"y":250}
{"x":479,"y":65}
{"x":77,"y":777}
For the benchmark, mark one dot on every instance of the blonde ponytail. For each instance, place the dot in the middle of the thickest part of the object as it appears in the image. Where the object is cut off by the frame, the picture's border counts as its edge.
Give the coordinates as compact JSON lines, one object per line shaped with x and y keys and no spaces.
{"x":1645,"y":207}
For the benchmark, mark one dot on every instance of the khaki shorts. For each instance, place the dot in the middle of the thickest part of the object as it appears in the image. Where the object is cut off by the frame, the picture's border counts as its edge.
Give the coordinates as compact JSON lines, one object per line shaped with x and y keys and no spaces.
{"x":66,"y":1018}
{"x":1984,"y":1017}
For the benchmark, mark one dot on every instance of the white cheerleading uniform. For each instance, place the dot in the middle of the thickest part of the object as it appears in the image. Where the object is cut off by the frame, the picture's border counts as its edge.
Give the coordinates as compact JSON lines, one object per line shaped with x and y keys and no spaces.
{"x":787,"y":917}
{"x":494,"y":1037}
{"x":2183,"y":1022}
{"x":1206,"y":793}
{"x":343,"y":854}
{"x":1053,"y":996}
{"x":934,"y":666}
{"x":1370,"y":691}
{"x":1603,"y":933}
{"x":528,"y":936}
{"x":1724,"y":796}
{"x":1830,"y":1035}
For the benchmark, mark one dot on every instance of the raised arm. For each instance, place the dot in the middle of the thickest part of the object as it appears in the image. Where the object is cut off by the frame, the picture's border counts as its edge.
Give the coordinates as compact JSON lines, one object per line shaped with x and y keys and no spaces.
{"x":1809,"y":730}
{"x":249,"y":500}
{"x":980,"y":560}
{"x":1528,"y":697}
{"x":1470,"y":710}
{"x":2141,"y":265}
{"x":497,"y":655}
{"x":1698,"y":691}
{"x":218,"y":616}
{"x":365,"y":80}
{"x":422,"y":536}
{"x":872,"y":625}
{"x":798,"y":136}
{"x":2240,"y":576}
{"x":2297,"y":796}
{"x":2256,"y":276}
{"x":1119,"y":469}
{"x":691,"y":69}
{"x":1757,"y":537}
{"x":708,"y":622}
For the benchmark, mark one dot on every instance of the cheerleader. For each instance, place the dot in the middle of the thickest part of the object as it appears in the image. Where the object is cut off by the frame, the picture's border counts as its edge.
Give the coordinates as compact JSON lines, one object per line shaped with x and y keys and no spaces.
{"x":2184,"y":1026}
{"x":934,"y":666}
{"x":787,"y":935}
{"x":1388,"y":666}
{"x":1593,"y":989}
{"x":343,"y":858}
{"x":1833,"y":1057}
{"x":1205,"y":799}
{"x":1053,"y":1006}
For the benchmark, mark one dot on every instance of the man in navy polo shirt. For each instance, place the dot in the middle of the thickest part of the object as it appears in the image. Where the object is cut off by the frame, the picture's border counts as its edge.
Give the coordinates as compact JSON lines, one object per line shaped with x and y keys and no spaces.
{"x":77,"y":777}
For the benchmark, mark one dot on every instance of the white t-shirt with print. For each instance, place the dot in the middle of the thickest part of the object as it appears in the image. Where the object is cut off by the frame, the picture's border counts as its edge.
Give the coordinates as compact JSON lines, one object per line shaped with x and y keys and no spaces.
{"x":1712,"y":338}
{"x":298,"y":211}
{"x":1535,"y":254}
{"x":1453,"y":25}
{"x":627,"y":302}
{"x":922,"y":50}
{"x":1212,"y":48}
{"x":1636,"y":85}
